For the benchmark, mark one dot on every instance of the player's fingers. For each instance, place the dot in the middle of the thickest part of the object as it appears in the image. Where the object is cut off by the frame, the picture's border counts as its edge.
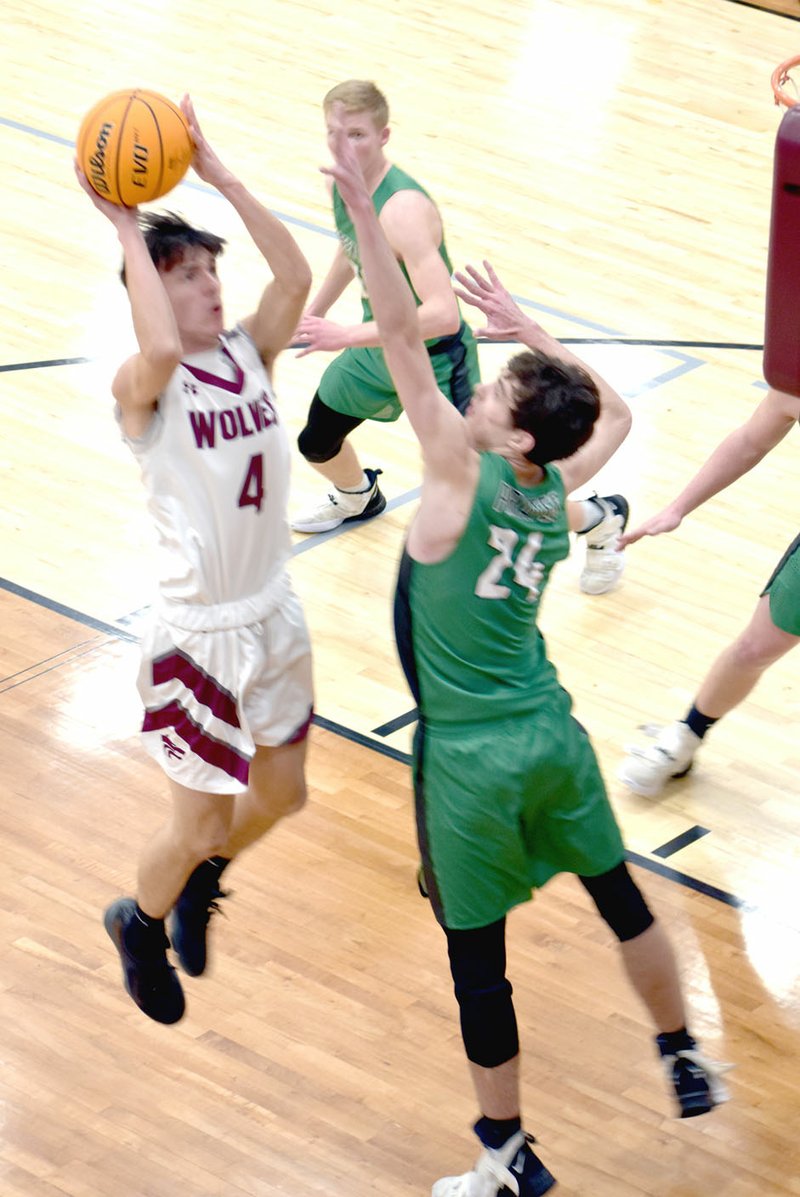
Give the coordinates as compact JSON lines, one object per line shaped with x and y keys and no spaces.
{"x":478,"y":278}
{"x":491,"y":273}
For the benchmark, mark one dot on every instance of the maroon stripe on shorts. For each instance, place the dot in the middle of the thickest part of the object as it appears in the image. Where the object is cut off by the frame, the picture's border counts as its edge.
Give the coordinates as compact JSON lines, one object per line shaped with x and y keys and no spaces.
{"x":302,"y":731}
{"x":212,"y":751}
{"x":176,"y":665}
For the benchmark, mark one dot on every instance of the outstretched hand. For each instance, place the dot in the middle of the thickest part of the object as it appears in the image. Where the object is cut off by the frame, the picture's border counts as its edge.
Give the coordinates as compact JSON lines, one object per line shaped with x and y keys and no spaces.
{"x":205,"y":162}
{"x":118,"y":214}
{"x":664,"y":521}
{"x":485,"y":292}
{"x":345,"y":169}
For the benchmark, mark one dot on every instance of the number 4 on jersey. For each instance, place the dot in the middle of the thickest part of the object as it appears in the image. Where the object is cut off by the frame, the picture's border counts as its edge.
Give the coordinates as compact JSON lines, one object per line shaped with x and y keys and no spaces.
{"x":252,"y":492}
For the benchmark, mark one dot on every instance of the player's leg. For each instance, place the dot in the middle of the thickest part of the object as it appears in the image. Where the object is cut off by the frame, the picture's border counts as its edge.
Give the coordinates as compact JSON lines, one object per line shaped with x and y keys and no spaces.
{"x":489,"y":1033}
{"x":729,"y":681}
{"x":355,"y":494}
{"x":276,"y":788}
{"x":475,"y":867}
{"x":275,"y":703}
{"x":198,"y":827}
{"x":652,"y":970}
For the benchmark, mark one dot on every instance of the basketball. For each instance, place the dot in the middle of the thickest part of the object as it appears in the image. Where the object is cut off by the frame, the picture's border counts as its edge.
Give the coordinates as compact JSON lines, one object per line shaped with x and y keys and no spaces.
{"x":134,"y":146}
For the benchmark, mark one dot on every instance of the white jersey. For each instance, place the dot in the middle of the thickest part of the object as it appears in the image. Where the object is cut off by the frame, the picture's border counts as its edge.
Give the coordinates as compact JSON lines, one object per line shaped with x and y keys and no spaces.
{"x":215,"y":464}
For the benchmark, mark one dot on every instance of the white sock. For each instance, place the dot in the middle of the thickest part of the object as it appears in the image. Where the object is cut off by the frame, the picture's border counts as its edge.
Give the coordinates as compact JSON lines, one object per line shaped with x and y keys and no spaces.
{"x":591,"y":515}
{"x":362,"y":486}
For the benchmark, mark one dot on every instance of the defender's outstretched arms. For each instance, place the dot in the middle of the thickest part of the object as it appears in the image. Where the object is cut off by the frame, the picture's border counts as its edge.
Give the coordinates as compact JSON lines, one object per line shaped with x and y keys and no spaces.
{"x":505,"y":319}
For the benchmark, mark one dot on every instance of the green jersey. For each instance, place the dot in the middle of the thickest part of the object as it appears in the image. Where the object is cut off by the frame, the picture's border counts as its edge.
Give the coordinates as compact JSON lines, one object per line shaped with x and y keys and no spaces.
{"x":393,"y":181}
{"x":357,"y":383}
{"x":466,"y":626}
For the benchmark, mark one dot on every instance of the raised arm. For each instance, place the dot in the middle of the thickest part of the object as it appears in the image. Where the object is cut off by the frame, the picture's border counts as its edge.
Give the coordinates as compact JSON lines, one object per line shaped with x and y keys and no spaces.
{"x":742,"y":449}
{"x":413,"y":228}
{"x":506,"y":319}
{"x":142,"y":378}
{"x":438,"y":426}
{"x":271,"y":326}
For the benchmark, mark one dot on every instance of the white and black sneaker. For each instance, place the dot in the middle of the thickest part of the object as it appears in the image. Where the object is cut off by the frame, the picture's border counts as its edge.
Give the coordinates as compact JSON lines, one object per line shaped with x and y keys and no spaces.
{"x":605,"y":561}
{"x":343,"y":507}
{"x":647,"y":769}
{"x":512,"y":1168}
{"x":697,"y":1082}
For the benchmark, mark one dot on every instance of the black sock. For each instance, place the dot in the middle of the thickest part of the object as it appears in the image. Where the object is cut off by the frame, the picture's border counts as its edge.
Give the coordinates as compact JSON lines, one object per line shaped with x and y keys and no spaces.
{"x":144,"y":933}
{"x":672,"y":1042}
{"x":206,"y":875}
{"x":494,"y":1132}
{"x":699,"y":723}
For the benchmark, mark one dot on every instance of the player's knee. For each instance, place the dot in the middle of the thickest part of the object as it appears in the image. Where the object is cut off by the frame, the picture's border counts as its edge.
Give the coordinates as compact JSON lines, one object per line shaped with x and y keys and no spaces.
{"x":478,"y":967}
{"x":318,"y":449}
{"x":205,"y":838}
{"x":754,"y":653}
{"x":295,"y":798}
{"x":488,"y":1024}
{"x":620,"y":902}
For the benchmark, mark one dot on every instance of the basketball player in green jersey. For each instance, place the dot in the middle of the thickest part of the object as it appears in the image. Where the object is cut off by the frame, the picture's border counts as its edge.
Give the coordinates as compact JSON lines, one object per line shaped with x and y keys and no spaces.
{"x":357,"y":386}
{"x":508,"y":790}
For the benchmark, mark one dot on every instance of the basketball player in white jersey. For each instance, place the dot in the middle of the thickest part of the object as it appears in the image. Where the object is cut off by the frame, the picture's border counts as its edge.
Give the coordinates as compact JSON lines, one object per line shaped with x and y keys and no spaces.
{"x":226,"y":669}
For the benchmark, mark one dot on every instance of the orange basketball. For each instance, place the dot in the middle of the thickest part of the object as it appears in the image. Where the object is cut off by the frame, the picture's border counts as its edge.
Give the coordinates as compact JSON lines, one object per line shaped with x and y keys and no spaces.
{"x":134,"y":146}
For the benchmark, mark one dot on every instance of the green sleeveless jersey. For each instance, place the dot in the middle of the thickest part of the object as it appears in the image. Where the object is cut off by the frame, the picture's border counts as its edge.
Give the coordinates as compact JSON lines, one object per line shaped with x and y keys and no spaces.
{"x":394,"y":180}
{"x":466,"y":626}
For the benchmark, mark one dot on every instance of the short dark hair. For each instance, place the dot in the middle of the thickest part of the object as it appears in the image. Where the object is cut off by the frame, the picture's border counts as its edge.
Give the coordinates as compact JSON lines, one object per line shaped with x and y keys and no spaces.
{"x":168,"y":236}
{"x":556,"y":401}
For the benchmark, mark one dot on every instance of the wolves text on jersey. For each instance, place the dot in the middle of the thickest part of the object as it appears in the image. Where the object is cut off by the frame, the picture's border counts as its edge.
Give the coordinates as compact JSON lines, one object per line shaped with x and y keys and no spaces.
{"x":243,"y":420}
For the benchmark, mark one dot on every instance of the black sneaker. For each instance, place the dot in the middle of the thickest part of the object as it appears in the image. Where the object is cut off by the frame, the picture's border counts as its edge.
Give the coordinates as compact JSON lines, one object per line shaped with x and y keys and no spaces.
{"x":696,"y":1081}
{"x":149,"y":979}
{"x":188,"y":924}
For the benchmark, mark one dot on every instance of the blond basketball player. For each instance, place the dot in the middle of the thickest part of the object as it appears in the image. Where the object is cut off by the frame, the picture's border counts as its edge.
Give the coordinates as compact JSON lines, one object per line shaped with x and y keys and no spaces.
{"x":226,"y":670}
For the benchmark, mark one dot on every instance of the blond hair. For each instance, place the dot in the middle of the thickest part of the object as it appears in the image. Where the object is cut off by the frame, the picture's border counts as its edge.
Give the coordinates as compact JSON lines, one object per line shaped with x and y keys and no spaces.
{"x":359,"y":95}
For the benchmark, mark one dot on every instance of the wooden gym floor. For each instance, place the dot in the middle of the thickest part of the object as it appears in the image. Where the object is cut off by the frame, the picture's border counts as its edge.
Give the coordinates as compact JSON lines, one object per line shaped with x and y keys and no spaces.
{"x":613,"y":160}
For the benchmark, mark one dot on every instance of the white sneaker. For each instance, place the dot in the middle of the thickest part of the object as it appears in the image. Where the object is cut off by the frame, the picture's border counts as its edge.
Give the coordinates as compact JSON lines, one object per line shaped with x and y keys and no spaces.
{"x":647,"y":770}
{"x":343,"y":506}
{"x":500,"y":1171}
{"x":605,"y":561}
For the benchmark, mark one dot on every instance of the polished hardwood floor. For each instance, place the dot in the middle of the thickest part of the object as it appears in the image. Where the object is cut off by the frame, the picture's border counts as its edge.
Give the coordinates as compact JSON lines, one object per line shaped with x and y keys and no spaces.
{"x":613,"y":160}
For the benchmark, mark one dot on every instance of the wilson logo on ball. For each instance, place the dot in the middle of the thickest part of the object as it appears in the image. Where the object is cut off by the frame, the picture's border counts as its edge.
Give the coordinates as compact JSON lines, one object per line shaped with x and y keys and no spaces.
{"x":134,"y":146}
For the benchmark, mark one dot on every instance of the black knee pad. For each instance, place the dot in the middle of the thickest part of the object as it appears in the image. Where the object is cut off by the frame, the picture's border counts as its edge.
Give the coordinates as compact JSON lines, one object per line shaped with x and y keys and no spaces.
{"x":325,"y":432}
{"x":488,"y":1021}
{"x":489,"y":1025}
{"x":620,"y":902}
{"x":312,"y":451}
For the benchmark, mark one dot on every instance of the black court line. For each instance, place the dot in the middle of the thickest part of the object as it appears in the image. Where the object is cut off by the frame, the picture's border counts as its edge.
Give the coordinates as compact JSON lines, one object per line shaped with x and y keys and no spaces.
{"x":347,"y":733}
{"x":701,"y":887}
{"x":56,"y":361}
{"x":88,"y":621}
{"x":681,"y":841}
{"x":394,"y":725}
{"x":653,"y":866}
{"x":774,"y":12}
